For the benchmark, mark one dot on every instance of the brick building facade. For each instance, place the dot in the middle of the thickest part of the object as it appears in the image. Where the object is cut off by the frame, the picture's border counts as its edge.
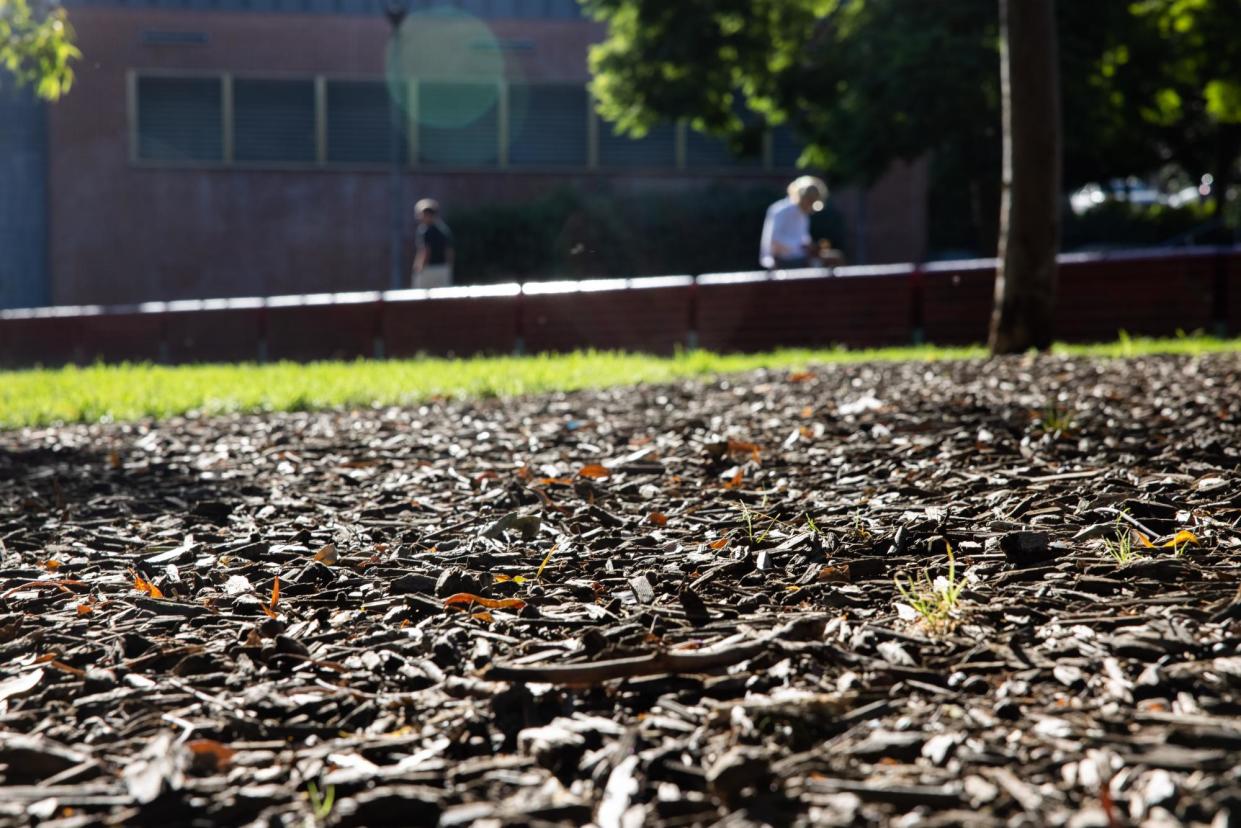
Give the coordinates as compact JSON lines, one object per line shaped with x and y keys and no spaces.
{"x":243,"y":147}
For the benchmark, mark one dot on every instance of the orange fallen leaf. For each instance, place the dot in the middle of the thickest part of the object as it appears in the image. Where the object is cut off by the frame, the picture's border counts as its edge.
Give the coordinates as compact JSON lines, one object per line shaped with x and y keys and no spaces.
{"x":657,"y":518}
{"x":328,"y":555}
{"x":270,"y":609}
{"x":735,"y":481}
{"x":490,"y":603}
{"x":718,"y":544}
{"x":85,"y":609}
{"x":484,"y":616}
{"x":801,"y":376}
{"x":807,"y":412}
{"x":594,"y":471}
{"x":1142,"y":539}
{"x":835,"y":574}
{"x":143,"y":585}
{"x":742,"y":447}
{"x":66,"y":668}
{"x":114,"y":460}
{"x":1183,"y":536}
{"x":209,"y":755}
{"x":555,"y":481}
{"x":51,"y":564}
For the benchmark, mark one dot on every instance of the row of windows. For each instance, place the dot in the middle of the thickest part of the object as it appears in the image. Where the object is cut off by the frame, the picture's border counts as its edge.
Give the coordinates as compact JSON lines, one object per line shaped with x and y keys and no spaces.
{"x":519,"y":9}
{"x":448,"y":124}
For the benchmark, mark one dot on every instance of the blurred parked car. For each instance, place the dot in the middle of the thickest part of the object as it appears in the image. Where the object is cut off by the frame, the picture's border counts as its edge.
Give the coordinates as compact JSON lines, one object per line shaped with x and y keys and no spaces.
{"x":1135,"y":191}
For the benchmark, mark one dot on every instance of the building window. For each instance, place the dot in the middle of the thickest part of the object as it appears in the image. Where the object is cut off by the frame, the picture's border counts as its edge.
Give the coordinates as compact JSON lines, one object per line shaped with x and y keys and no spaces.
{"x":180,"y":119}
{"x":359,"y":126}
{"x":458,"y":124}
{"x":656,"y":149}
{"x":547,"y":126}
{"x":706,"y":151}
{"x":274,"y":120}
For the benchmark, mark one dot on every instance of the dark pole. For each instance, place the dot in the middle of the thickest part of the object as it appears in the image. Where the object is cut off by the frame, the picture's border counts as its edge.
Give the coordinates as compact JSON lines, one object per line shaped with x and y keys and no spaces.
{"x":395,"y":11}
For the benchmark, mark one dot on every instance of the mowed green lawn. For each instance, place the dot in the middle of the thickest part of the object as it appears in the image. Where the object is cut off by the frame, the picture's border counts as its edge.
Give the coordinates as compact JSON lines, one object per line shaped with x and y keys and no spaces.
{"x":130,"y":392}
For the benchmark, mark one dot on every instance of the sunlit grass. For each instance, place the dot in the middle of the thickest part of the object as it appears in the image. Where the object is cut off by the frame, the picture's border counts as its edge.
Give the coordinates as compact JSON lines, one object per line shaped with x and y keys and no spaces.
{"x":128,"y":392}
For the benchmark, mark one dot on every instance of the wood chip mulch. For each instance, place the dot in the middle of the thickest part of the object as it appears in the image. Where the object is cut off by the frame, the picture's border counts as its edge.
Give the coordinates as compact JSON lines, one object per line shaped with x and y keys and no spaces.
{"x":675,"y":605}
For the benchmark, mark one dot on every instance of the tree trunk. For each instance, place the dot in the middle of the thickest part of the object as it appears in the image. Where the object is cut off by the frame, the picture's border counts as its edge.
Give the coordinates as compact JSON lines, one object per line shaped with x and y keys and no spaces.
{"x":1025,"y":283}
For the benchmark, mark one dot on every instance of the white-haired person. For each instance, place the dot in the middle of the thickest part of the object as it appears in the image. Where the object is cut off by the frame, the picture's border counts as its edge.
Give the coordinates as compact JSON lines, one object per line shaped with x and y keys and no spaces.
{"x":786,"y":240}
{"x":433,"y":247}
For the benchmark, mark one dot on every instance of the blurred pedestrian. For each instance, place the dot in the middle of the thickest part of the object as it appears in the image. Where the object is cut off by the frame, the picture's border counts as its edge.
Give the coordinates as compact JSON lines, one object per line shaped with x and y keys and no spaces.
{"x":433,"y":255}
{"x":786,"y":230}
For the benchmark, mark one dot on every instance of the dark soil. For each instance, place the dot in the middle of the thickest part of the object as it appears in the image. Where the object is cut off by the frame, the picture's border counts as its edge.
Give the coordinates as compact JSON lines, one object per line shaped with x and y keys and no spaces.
{"x":690,"y":612}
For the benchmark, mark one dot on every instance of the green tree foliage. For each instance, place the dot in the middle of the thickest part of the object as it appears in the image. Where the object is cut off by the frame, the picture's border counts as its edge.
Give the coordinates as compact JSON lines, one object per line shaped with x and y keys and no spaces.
{"x":1193,"y":100}
{"x":850,"y":77}
{"x":1144,"y":85}
{"x":36,"y":47}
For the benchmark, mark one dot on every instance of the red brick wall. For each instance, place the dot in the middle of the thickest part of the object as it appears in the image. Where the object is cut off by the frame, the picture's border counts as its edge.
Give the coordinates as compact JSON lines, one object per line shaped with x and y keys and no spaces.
{"x":123,"y":233}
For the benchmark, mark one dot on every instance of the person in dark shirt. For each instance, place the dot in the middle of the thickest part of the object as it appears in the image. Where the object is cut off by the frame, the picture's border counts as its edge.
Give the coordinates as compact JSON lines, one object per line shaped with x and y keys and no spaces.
{"x":434,"y":250}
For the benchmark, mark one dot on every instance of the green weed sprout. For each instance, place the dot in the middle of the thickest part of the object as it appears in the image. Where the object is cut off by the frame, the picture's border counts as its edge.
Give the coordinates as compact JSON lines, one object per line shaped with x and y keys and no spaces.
{"x":321,"y":803}
{"x":1057,"y":418}
{"x":933,"y":599}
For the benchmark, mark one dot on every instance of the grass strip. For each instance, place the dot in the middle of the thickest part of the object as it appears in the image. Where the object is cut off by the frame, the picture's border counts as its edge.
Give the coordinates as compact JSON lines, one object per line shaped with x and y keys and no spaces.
{"x":123,"y":392}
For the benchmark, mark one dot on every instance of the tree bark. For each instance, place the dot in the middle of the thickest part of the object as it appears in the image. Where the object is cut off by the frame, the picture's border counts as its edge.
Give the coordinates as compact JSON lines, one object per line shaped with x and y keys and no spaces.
{"x":1025,"y":284}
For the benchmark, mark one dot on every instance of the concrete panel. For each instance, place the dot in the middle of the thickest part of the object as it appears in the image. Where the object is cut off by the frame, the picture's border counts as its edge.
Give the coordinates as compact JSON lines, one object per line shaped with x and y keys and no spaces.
{"x":651,"y":320}
{"x":322,"y":331}
{"x":41,"y":340}
{"x":450,"y":326}
{"x":215,"y":335}
{"x":956,"y":302}
{"x":1147,"y":296}
{"x":805,"y":312}
{"x":121,"y":337}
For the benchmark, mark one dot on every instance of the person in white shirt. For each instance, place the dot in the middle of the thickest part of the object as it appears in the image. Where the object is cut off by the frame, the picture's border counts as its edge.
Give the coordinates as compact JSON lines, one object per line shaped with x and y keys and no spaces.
{"x":786,"y":230}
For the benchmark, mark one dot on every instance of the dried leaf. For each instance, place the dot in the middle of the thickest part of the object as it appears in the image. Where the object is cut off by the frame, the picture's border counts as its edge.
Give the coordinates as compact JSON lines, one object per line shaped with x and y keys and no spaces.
{"x":469,"y":598}
{"x":835,"y":574}
{"x":546,"y":558}
{"x":555,"y":481}
{"x":328,"y":556}
{"x":143,"y":585}
{"x":801,"y":376}
{"x":1142,"y":539}
{"x":736,"y":480}
{"x":51,"y":564}
{"x":85,"y":608}
{"x":742,"y":447}
{"x":1183,"y":536}
{"x":657,"y":518}
{"x":270,"y":609}
{"x":114,"y":460}
{"x":209,"y":755}
{"x":483,"y":616}
{"x":717,"y":545}
{"x":502,"y":578}
{"x":594,"y":471}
